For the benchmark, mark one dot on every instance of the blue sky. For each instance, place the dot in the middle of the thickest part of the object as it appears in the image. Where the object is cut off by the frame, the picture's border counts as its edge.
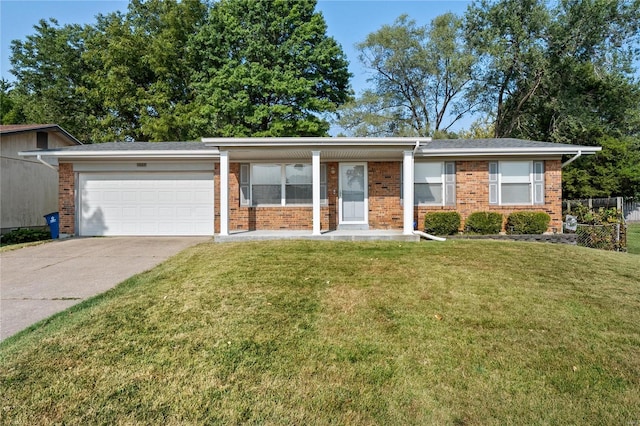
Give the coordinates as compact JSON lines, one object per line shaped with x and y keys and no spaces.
{"x":348,"y":21}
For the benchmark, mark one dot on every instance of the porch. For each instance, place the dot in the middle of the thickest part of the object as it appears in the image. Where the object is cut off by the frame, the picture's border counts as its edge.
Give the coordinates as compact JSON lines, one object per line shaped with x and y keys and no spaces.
{"x":337,"y":235}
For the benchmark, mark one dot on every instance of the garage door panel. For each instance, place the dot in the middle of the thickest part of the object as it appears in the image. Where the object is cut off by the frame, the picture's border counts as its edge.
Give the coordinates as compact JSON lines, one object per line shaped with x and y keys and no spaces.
{"x":147,"y":196}
{"x":129,"y":212}
{"x":146,"y":204}
{"x":200,"y":212}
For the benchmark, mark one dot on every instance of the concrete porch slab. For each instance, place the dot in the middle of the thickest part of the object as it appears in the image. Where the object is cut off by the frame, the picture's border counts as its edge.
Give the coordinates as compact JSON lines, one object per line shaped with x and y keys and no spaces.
{"x":338,"y":235}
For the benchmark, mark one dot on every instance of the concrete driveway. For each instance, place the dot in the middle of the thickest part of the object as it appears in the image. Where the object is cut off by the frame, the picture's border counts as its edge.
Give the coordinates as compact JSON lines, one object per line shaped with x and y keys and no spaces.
{"x":37,"y":282}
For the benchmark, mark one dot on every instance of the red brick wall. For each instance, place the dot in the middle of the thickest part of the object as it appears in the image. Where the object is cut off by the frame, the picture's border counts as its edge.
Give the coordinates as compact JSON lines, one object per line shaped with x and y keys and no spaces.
{"x":472,"y":194}
{"x":277,"y":217}
{"x":385,"y":209}
{"x":66,"y":198}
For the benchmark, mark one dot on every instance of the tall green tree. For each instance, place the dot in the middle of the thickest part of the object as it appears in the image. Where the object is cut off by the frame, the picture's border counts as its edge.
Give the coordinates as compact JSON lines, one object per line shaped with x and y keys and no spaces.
{"x":613,"y":172}
{"x":266,"y":68}
{"x":10,"y":109}
{"x":141,"y":78}
{"x":182,"y":69}
{"x":564,"y":72}
{"x":547,"y":70}
{"x":50,"y":76}
{"x":509,"y":39}
{"x":420,"y":79}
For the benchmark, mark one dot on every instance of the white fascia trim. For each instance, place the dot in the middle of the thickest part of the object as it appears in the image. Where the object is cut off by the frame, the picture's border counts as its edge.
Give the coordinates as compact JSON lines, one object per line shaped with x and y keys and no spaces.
{"x":502,"y":151}
{"x":311,"y":142}
{"x":187,"y":154}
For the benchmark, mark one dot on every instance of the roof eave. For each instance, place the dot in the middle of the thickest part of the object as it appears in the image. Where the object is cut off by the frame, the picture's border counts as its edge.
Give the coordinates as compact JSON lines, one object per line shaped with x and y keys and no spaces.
{"x":45,"y":127}
{"x":166,"y":154}
{"x":311,"y":142}
{"x":485,"y":152}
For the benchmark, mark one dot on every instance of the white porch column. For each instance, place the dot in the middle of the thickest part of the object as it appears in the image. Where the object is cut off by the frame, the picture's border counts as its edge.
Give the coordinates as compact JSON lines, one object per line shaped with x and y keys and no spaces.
{"x":407,"y":187}
{"x":315,"y":169}
{"x":224,"y":192}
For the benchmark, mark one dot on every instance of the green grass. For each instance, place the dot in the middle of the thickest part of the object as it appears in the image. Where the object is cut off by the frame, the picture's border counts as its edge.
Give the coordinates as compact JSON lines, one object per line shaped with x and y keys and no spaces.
{"x":462,"y":332}
{"x":11,"y":247}
{"x":633,"y":238}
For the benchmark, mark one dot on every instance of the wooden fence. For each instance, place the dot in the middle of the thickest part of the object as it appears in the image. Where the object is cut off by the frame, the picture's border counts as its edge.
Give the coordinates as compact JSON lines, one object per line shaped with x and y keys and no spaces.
{"x":631,"y":210}
{"x":630,"y":207}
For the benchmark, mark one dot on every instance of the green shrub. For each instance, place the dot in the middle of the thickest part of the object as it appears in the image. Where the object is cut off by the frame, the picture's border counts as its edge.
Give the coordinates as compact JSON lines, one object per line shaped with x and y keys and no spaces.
{"x":23,"y":235}
{"x":442,"y":223}
{"x":528,"y":223}
{"x":484,"y":223}
{"x":599,"y":216}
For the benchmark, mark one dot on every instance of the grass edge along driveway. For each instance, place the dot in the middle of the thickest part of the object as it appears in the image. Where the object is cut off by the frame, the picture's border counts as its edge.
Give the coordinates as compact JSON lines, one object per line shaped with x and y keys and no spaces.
{"x":462,"y":332}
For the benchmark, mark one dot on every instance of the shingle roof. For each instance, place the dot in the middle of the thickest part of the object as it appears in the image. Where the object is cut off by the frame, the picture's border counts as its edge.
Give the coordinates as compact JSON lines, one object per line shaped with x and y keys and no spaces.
{"x":363,"y":146}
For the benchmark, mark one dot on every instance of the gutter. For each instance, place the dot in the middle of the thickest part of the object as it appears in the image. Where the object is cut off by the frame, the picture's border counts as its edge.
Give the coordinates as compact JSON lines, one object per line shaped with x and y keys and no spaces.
{"x":127,"y":154}
{"x":572,"y":159}
{"x":39,"y":158}
{"x":485,"y":152}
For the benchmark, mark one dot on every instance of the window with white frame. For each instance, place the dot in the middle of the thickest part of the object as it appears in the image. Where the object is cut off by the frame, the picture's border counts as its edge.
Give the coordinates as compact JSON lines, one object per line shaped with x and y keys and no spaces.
{"x":434,"y":183}
{"x":279,"y":184}
{"x":516,"y":182}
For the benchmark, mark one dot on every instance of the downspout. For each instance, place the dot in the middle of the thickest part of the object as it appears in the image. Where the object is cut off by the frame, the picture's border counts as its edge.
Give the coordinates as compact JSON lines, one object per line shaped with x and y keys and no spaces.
{"x":39,"y":158}
{"x":572,"y":159}
{"x":415,"y":231}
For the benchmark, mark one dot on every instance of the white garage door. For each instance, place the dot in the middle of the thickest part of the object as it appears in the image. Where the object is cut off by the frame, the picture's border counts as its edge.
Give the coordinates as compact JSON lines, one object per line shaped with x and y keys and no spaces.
{"x":146,"y":204}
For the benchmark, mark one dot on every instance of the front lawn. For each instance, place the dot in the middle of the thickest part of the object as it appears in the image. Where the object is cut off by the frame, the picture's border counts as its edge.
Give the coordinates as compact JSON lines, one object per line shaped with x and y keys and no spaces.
{"x":633,"y":238}
{"x":300,"y":332}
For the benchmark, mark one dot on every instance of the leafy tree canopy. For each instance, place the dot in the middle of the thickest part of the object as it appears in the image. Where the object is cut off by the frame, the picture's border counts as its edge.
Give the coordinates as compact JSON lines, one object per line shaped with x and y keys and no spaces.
{"x":182,"y":69}
{"x":267,"y":68}
{"x":563,"y":71}
{"x":420,"y":79}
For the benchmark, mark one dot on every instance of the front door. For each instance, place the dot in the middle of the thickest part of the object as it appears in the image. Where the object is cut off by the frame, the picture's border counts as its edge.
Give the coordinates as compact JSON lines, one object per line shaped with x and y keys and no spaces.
{"x":353,"y":194}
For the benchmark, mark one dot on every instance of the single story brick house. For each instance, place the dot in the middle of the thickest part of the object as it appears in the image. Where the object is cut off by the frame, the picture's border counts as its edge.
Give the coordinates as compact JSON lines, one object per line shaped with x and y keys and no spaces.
{"x":224,"y":185}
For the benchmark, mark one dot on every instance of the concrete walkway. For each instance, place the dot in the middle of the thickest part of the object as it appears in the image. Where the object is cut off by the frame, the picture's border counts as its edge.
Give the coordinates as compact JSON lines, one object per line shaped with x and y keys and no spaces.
{"x":39,"y":281}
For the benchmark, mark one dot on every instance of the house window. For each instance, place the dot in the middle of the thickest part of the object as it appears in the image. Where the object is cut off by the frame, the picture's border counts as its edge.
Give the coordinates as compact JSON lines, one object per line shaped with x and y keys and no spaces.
{"x":434,"y":183}
{"x":516,"y":182}
{"x":298,"y":184}
{"x":280,"y":184}
{"x":266,"y":184}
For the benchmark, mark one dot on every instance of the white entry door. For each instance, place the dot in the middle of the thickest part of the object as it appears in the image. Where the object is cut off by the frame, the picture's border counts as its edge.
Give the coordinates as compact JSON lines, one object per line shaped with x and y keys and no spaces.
{"x":353,"y":194}
{"x":140,"y":203}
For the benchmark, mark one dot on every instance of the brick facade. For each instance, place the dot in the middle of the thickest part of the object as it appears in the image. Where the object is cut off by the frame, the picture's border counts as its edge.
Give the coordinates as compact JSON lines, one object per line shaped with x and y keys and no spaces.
{"x":244,"y":218}
{"x":472,"y":194}
{"x":67,"y":198}
{"x":384,"y":189}
{"x":385,"y":208}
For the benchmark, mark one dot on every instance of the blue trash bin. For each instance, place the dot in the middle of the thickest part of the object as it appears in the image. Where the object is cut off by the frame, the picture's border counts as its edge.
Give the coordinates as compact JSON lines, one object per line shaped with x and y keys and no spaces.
{"x":53,"y":220}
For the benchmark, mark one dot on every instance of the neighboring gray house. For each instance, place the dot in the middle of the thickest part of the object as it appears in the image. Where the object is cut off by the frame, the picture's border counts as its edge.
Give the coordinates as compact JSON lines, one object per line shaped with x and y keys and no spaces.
{"x":28,"y":187}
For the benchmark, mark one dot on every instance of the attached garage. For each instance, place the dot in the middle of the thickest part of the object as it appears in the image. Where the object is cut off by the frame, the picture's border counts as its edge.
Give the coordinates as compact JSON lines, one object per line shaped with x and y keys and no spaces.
{"x":145,"y":203}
